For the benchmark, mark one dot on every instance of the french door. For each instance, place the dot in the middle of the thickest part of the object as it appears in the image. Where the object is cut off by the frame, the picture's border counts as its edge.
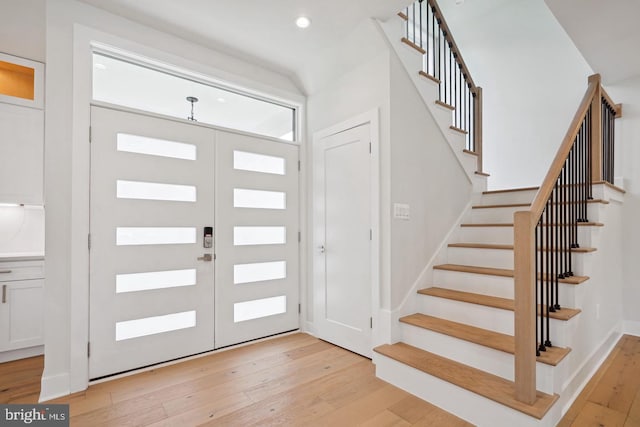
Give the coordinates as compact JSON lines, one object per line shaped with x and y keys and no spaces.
{"x":192,"y":240}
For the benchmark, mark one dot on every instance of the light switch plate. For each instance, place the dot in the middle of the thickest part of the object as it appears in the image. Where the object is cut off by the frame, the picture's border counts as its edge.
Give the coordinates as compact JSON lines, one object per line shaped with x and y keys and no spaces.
{"x":401,"y":211}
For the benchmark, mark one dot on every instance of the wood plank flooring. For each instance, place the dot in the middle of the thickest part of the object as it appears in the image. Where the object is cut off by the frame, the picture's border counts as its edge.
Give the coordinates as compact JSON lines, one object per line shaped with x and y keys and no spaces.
{"x":298,"y":380}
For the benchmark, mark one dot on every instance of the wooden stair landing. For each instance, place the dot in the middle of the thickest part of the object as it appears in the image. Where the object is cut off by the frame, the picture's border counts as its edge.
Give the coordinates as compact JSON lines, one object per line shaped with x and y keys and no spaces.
{"x":491,"y":301}
{"x":482,"y":383}
{"x":503,"y":272}
{"x":480,"y":336}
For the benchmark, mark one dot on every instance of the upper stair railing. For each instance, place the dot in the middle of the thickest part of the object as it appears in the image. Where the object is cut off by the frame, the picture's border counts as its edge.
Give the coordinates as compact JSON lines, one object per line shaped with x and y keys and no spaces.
{"x":546,"y":234}
{"x":427,"y":31}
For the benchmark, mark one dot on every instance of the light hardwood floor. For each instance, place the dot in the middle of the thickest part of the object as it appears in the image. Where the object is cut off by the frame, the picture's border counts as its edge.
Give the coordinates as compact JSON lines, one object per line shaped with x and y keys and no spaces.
{"x":298,"y":380}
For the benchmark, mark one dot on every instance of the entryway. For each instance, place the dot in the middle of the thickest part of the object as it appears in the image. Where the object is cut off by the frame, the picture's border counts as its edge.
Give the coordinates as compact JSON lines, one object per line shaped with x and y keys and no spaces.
{"x":194,"y":239}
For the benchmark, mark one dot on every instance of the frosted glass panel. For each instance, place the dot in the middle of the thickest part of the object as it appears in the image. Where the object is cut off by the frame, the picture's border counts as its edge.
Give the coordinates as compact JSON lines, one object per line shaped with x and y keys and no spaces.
{"x":154,"y":325}
{"x":155,"y":191}
{"x":259,"y":199}
{"x":135,"y":282}
{"x":243,"y":236}
{"x":259,"y":308}
{"x":253,"y":162}
{"x":258,"y":272}
{"x":126,"y":236}
{"x":156,"y":147}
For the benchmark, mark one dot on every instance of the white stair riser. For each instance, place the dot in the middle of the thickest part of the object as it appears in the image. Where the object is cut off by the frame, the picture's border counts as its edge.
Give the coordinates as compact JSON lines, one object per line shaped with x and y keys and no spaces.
{"x":504,"y":235}
{"x":478,"y":356}
{"x":498,"y":235}
{"x":484,"y":317}
{"x":494,"y":258}
{"x":502,"y":258}
{"x":469,"y":161}
{"x":505,"y":214}
{"x":479,"y":183}
{"x":427,"y":88}
{"x":510,"y":197}
{"x":456,"y":400}
{"x":476,"y":283}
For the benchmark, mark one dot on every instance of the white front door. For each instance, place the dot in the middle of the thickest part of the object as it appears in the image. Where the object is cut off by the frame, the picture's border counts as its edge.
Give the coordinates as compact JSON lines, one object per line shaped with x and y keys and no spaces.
{"x":257,"y":238}
{"x":342,"y":239}
{"x":151,"y":279}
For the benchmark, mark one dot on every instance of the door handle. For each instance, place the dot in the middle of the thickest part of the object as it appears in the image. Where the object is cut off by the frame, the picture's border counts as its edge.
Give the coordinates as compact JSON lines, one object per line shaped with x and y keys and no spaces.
{"x":322,"y":249}
{"x":206,"y":257}
{"x":4,"y":294}
{"x":5,"y":271}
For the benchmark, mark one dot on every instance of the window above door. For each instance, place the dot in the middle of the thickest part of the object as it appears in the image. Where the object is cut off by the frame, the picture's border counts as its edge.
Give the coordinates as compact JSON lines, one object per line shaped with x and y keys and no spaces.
{"x":120,"y":82}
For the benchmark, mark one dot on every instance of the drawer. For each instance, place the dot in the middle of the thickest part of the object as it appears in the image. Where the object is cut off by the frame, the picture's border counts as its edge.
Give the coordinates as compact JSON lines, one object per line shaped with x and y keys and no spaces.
{"x":21,"y":270}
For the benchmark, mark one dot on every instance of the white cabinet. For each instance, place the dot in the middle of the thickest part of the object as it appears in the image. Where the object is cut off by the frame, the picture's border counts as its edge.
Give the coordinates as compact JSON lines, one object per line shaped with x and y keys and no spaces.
{"x":21,"y":154}
{"x":21,"y":130}
{"x":22,"y":304}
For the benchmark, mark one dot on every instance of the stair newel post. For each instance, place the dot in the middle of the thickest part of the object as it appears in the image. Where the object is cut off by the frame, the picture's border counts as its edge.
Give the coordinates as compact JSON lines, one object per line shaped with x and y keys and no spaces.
{"x":525,"y":307}
{"x":477,"y":125}
{"x":596,"y":130}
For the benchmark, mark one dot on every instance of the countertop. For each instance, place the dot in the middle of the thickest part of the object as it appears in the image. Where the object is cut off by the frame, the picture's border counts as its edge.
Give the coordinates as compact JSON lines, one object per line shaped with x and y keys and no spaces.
{"x":21,"y":256}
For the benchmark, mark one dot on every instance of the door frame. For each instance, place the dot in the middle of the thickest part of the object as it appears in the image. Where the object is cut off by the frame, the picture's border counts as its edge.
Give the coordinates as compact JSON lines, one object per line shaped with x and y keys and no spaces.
{"x":370,"y":117}
{"x":67,"y":361}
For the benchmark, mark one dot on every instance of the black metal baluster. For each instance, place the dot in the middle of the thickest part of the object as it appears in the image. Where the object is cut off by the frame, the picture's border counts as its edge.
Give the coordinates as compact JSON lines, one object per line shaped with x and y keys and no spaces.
{"x":540,"y":282}
{"x":535,"y":281}
{"x":547,"y":305}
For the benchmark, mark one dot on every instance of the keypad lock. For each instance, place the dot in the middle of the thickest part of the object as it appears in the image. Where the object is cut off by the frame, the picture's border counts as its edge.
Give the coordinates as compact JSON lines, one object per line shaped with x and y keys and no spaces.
{"x":207,"y":240}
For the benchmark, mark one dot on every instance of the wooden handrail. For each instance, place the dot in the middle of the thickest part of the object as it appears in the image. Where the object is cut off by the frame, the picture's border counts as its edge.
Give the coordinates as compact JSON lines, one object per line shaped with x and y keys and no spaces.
{"x":525,"y":223}
{"x":452,"y":42}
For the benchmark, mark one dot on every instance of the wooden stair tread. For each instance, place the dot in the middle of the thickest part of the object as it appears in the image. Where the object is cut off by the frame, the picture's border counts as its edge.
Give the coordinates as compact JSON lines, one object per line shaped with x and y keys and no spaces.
{"x":481,"y":173}
{"x":524,"y":205}
{"x":429,"y":76}
{"x":413,"y":45}
{"x":510,"y":224}
{"x":464,"y":132}
{"x":510,"y":190}
{"x":482,"y":383}
{"x":480,"y":336}
{"x":491,"y":301}
{"x":503,"y":272}
{"x":510,"y":247}
{"x":445,"y":105}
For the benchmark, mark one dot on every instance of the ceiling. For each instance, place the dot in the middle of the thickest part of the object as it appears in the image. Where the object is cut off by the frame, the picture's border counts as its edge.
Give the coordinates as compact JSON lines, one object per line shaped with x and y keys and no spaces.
{"x":256,"y":29}
{"x":606,"y":33}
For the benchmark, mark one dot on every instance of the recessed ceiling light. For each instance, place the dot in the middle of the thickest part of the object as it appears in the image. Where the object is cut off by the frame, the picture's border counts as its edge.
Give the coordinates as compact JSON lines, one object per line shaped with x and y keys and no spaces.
{"x":100,"y":66}
{"x":222,"y":100}
{"x":303,"y":22}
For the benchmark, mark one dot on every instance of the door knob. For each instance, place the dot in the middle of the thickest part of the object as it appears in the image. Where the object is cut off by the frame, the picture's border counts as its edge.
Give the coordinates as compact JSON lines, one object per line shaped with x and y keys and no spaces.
{"x":206,"y":257}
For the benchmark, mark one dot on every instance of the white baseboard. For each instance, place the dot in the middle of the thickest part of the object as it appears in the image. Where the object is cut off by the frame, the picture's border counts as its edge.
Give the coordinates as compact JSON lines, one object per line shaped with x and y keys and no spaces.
{"x":631,"y":328}
{"x":591,"y":365}
{"x":23,"y":353}
{"x":54,"y":386}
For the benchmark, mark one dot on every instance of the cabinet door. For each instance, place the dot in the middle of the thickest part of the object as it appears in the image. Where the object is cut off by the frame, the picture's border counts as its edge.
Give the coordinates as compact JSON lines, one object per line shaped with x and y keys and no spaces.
{"x":21,"y":321}
{"x":21,"y":154}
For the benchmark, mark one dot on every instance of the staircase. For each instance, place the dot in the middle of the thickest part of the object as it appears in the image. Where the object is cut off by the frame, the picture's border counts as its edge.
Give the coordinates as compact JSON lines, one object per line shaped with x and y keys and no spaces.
{"x":457,"y":346}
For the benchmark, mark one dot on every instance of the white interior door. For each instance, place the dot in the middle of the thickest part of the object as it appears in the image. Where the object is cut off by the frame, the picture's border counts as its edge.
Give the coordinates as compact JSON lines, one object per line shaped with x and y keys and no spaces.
{"x":342,"y":239}
{"x":257,"y":249}
{"x":151,"y":283}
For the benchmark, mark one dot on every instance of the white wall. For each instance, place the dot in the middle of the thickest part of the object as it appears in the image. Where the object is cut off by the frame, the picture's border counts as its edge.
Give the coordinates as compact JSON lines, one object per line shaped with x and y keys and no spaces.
{"x":627,"y":166}
{"x":533,"y":79}
{"x":343,"y":90}
{"x":22,"y":28}
{"x":426,"y":175}
{"x":70,"y":25}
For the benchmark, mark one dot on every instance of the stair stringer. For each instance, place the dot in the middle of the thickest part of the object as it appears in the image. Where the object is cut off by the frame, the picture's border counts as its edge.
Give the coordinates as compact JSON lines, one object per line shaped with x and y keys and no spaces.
{"x":411,"y":59}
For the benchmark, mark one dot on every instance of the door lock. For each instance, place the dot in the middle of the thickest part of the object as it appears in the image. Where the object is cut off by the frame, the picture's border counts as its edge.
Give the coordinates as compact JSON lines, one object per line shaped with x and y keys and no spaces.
{"x":207,"y":238}
{"x":206,"y":257}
